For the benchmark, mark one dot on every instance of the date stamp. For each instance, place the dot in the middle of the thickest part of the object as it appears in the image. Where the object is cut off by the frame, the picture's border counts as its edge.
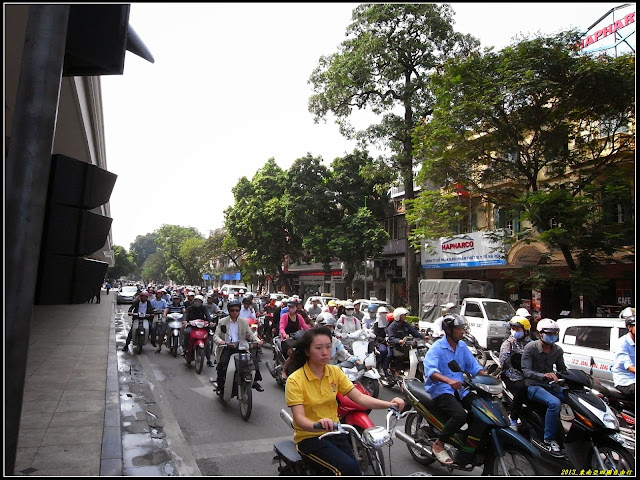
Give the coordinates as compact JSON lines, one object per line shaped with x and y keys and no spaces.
{"x":596,"y":472}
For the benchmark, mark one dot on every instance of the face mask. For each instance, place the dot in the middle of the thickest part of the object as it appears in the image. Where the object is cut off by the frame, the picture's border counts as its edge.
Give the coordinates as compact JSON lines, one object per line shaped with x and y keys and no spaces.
{"x":549,"y":339}
{"x":518,"y":335}
{"x":197,"y":303}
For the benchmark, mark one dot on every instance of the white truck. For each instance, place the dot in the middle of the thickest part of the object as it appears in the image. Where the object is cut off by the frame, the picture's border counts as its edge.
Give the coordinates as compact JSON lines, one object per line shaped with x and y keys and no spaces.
{"x":488,"y":317}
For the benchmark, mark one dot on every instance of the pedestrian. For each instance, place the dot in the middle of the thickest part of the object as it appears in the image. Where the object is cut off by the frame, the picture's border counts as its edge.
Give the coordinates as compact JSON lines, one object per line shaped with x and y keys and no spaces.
{"x":108,"y":287}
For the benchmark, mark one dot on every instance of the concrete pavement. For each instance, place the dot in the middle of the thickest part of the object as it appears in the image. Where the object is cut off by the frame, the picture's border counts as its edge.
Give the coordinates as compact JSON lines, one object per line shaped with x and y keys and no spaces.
{"x":71,"y":422}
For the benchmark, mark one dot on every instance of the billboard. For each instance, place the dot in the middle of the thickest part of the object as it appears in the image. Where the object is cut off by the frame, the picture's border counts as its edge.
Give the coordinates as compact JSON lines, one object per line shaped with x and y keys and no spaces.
{"x":476,"y":249}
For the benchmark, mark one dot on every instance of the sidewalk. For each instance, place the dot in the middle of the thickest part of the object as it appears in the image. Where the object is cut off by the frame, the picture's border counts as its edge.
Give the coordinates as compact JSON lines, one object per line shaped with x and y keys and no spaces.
{"x":70,"y":422}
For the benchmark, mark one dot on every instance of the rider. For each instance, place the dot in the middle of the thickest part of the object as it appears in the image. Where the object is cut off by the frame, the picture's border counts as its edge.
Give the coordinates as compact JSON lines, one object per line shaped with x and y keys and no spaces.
{"x":211,"y":305}
{"x":370,"y":316}
{"x":538,"y":360}
{"x":445,"y":385}
{"x":290,"y":323}
{"x":191,"y":295}
{"x":141,"y":306}
{"x":315,"y":309}
{"x":237,"y":328}
{"x":510,"y":363}
{"x":445,"y":309}
{"x":311,"y":394}
{"x":338,"y":352}
{"x":380,"y":329}
{"x":197,"y":311}
{"x":159,"y":304}
{"x":246,"y":310}
{"x":400,"y":328}
{"x":624,"y":366}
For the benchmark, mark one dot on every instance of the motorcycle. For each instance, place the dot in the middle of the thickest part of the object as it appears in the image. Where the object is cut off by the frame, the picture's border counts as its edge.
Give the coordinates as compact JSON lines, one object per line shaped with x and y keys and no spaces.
{"x":478,"y":352}
{"x":211,"y":345}
{"x":239,"y":376}
{"x":197,"y":343}
{"x":485,"y":439}
{"x":140,"y":330}
{"x":587,"y":422}
{"x":406,"y":362}
{"x":363,"y":347}
{"x":279,"y":358}
{"x":172,"y":336}
{"x":367,"y":443}
{"x":492,"y":367}
{"x":622,"y":407}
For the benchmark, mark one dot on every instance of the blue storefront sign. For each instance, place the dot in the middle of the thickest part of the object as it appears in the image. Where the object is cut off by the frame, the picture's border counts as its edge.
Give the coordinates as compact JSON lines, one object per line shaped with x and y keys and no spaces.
{"x":474,"y":249}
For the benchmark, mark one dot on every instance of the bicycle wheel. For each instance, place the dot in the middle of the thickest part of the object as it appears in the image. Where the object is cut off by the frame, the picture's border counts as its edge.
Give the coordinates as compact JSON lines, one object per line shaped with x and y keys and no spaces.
{"x":246,"y":400}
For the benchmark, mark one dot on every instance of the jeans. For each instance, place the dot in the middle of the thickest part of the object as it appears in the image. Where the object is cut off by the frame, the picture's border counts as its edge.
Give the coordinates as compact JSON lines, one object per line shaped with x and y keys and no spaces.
{"x":552,"y":398}
{"x":334,"y":454}
{"x":385,"y":356}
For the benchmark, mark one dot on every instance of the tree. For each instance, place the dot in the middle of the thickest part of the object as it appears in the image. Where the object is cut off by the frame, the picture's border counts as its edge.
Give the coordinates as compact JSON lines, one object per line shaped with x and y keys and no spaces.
{"x":124,"y":263}
{"x":540,"y":128}
{"x":144,"y":246}
{"x":183,"y":248}
{"x":386,"y":66}
{"x":155,"y":268}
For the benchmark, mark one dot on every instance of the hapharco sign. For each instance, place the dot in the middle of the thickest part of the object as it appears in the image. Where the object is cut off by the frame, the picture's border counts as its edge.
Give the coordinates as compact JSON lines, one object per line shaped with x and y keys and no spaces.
{"x":474,"y":249}
{"x":608,"y":30}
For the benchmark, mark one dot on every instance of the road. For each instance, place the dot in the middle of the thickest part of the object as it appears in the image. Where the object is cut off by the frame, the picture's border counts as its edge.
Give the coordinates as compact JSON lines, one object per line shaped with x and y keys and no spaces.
{"x":205,"y":436}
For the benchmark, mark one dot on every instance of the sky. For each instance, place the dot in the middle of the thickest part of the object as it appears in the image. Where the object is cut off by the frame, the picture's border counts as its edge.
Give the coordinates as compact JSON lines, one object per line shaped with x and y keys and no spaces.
{"x":228,"y":91}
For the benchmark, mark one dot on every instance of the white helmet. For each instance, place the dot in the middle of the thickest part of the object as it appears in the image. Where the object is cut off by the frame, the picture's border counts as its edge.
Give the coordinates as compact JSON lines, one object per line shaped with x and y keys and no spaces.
{"x":523,"y":312}
{"x":547,"y":324}
{"x":628,"y":312}
{"x":399,"y":312}
{"x":383,"y":309}
{"x":327,"y":319}
{"x":199,"y":297}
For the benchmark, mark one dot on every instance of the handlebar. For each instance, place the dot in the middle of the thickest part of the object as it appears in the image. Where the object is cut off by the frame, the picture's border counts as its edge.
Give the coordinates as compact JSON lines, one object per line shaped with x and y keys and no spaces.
{"x":341,"y":428}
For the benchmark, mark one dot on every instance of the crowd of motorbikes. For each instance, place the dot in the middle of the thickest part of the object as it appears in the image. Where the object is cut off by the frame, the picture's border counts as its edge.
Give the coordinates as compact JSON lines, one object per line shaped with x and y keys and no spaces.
{"x":596,"y":420}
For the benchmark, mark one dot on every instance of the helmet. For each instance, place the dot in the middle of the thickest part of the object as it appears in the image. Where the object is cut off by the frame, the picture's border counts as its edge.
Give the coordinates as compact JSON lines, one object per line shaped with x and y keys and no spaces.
{"x":327,"y":319}
{"x":383,"y":309}
{"x":144,"y":292}
{"x":332,"y":303}
{"x":191,"y":294}
{"x":233,"y":303}
{"x":518,"y":320}
{"x":348,"y":305}
{"x":398,"y":312}
{"x":247,"y":299}
{"x":199,"y":297}
{"x":628,"y":312}
{"x":292,"y":302}
{"x":372,"y":308}
{"x":630,"y":321}
{"x":451,"y":320}
{"x":548,"y":325}
{"x":523,"y":312}
{"x":390,"y":317}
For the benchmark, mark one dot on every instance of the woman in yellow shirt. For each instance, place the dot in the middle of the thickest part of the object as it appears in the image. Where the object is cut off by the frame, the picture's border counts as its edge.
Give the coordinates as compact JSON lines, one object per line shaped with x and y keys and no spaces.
{"x":311,"y":394}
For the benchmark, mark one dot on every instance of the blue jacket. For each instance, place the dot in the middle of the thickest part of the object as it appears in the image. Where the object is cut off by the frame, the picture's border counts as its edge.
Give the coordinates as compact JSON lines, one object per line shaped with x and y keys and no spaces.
{"x":437,"y":360}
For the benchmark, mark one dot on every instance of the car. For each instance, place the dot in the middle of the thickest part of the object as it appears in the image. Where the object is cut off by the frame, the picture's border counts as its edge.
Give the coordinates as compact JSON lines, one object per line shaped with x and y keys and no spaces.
{"x":322,"y":301}
{"x":232,"y":292}
{"x":584,"y":338}
{"x":126,"y":294}
{"x":364,"y":303}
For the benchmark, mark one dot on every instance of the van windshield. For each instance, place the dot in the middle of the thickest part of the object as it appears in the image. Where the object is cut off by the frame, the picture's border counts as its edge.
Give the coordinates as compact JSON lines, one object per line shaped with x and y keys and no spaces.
{"x":499,"y":311}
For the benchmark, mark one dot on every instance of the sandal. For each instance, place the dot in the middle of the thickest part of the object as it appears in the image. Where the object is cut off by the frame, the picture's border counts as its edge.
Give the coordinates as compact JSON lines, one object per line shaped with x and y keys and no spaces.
{"x":157,"y":351}
{"x":443,"y":457}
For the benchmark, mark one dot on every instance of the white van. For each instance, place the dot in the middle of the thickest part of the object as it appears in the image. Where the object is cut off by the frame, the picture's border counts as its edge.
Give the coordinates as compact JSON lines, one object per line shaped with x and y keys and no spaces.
{"x":584,"y":338}
{"x":232,"y":292}
{"x":488,"y":320}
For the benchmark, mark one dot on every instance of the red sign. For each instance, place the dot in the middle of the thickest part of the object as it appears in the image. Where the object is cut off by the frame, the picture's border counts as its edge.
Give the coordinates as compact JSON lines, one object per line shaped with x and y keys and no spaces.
{"x":320,"y":274}
{"x":457,"y":245}
{"x":600,"y":34}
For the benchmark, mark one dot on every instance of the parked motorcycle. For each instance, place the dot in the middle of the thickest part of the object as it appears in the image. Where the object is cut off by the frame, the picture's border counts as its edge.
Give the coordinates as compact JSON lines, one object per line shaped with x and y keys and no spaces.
{"x":240,"y":375}
{"x":197,"y":343}
{"x":363,"y":347}
{"x":279,"y":358}
{"x":172,"y":336}
{"x":367,"y":444}
{"x":140,"y":330}
{"x":487,"y":439}
{"x":406,"y":362}
{"x":588,"y":423}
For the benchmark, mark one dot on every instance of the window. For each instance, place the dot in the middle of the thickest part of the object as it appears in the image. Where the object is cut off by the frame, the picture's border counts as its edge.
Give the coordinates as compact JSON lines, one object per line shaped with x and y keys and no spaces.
{"x":473,"y":310}
{"x":507,"y":218}
{"x":590,"y":337}
{"x":396,"y":227}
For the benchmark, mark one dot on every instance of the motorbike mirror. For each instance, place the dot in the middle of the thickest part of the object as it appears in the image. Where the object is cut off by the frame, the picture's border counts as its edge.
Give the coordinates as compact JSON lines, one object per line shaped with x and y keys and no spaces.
{"x":223,"y":328}
{"x":453,"y":365}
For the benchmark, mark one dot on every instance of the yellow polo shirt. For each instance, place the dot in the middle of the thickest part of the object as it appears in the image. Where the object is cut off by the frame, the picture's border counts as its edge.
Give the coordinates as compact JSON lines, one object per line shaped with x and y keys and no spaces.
{"x":317,"y":395}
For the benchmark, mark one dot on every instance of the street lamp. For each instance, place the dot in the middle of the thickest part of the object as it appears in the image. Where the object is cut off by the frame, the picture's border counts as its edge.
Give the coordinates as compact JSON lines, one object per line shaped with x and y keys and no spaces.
{"x":334,"y":195}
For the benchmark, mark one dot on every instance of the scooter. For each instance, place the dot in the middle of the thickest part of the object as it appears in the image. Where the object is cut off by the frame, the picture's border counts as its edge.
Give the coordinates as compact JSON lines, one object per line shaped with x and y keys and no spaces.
{"x":279,"y":358}
{"x":197,"y":343}
{"x":140,"y":330}
{"x":368,"y":444}
{"x":406,"y":362}
{"x":239,"y":376}
{"x":172,"y":335}
{"x":485,"y":439}
{"x":588,"y":423}
{"x":363,"y":347}
{"x":622,"y":407}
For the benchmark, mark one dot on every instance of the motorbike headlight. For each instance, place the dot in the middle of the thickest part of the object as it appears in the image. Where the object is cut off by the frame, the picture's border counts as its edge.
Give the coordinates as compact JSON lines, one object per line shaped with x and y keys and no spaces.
{"x":376,"y":436}
{"x":492,"y":389}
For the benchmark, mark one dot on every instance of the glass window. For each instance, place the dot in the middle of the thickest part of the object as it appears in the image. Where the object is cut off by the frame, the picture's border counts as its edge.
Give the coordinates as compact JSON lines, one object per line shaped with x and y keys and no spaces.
{"x":591,"y":337}
{"x":472,"y":310}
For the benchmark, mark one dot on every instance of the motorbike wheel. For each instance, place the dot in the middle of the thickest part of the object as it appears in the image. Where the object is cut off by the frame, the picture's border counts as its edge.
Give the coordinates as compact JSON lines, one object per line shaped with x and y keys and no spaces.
{"x":516,"y":461}
{"x":174,"y":346}
{"x":245,"y":399}
{"x":372,"y":386}
{"x":413,"y":427}
{"x":199,"y":359}
{"x":139,"y":348}
{"x":614,"y":457}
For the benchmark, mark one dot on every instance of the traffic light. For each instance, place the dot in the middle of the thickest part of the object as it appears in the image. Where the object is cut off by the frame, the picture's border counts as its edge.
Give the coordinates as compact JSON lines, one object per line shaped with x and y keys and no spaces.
{"x":71,"y":232}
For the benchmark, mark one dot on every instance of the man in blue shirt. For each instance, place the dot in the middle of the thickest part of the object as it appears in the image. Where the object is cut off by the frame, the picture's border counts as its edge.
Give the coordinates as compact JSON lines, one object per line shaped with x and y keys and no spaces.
{"x":624,"y":366}
{"x":445,"y":385}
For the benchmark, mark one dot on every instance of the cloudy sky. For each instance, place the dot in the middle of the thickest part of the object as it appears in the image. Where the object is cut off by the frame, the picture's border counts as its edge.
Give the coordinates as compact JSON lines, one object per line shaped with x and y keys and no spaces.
{"x":228,"y":90}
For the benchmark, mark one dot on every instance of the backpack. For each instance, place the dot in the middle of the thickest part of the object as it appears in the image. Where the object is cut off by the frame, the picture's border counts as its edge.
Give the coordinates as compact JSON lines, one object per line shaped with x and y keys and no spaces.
{"x":514,"y":360}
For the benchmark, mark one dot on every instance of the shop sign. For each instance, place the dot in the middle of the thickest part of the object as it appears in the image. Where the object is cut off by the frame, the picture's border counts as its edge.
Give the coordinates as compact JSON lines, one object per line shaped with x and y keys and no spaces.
{"x":476,"y":249}
{"x":608,"y":30}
